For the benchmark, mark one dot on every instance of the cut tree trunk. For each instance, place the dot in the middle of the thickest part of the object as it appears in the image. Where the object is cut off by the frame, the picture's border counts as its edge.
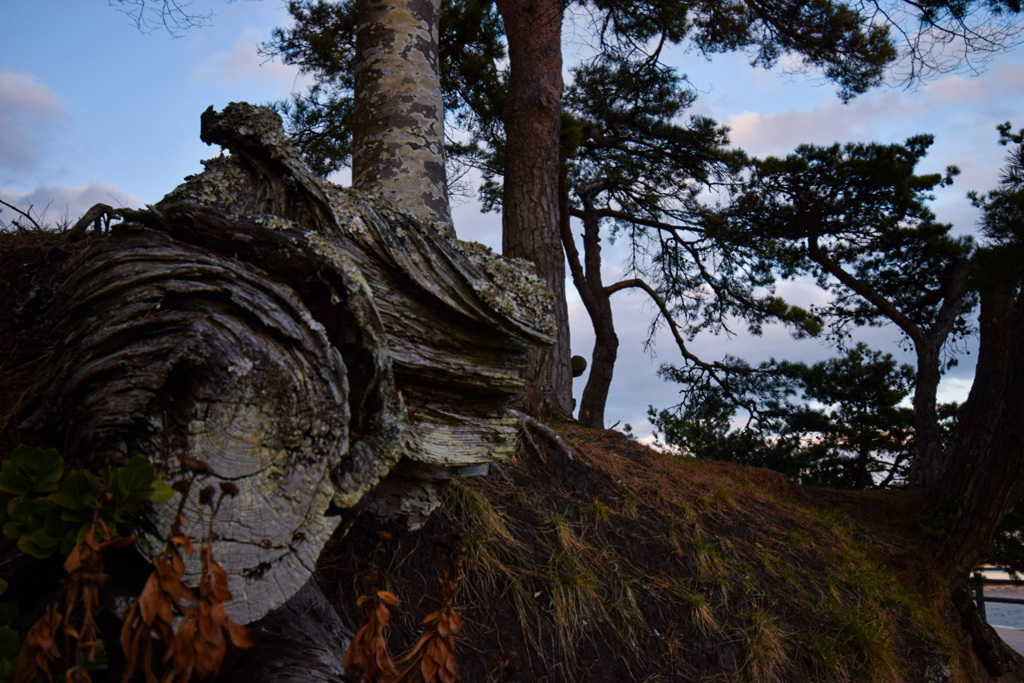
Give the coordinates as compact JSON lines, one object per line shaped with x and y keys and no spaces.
{"x":319,"y":350}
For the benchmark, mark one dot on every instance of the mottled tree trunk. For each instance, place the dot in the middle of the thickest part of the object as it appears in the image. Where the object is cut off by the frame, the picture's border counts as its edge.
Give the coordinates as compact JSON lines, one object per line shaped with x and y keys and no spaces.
{"x":398,"y":125}
{"x":530,"y":205}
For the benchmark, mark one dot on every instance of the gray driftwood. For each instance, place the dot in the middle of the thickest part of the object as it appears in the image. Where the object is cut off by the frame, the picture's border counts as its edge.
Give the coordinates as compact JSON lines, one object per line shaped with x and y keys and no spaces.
{"x":312,"y":345}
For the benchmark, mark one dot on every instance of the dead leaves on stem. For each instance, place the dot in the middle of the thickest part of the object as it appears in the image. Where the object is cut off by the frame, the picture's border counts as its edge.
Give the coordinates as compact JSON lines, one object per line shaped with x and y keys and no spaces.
{"x":150,"y":619}
{"x":199,"y":645}
{"x":432,"y":658}
{"x":170,"y":628}
{"x":69,"y":638}
{"x":368,"y":652}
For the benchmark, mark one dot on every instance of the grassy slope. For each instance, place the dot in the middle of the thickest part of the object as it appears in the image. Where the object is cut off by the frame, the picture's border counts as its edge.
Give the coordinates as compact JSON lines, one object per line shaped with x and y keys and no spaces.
{"x":625,"y":564}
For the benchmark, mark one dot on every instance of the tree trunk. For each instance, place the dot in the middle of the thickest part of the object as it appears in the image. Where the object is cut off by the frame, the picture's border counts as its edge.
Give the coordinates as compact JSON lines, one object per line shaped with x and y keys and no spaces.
{"x":300,"y":642}
{"x":530,"y":205}
{"x":597,"y":300}
{"x":983,"y":476}
{"x":927,"y":467}
{"x":398,"y":123}
{"x":312,"y":348}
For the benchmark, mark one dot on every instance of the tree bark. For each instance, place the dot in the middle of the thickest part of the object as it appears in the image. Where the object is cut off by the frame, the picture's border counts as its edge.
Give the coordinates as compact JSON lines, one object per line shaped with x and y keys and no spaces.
{"x":927,"y":465}
{"x":928,"y":342}
{"x":398,"y":122}
{"x":530,"y":204}
{"x":983,"y":477}
{"x":312,"y":348}
{"x":597,"y":300}
{"x":300,"y":642}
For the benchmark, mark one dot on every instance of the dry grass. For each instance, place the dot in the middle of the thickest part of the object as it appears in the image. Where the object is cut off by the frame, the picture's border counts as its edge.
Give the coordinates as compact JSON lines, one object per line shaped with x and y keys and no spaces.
{"x":31,"y":268}
{"x":624,"y":564}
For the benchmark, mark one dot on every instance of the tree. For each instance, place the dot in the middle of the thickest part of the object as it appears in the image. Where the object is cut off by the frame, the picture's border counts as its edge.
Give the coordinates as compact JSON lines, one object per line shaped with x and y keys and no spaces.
{"x":530,"y":201}
{"x":187,"y":214}
{"x":855,"y":218}
{"x":639,"y":169}
{"x":865,"y":434}
{"x":836,"y":423}
{"x":286,"y":345}
{"x":853,"y":48}
{"x":321,"y":43}
{"x":671,"y":253}
{"x":852,"y":45}
{"x":847,"y":44}
{"x":398,"y":117}
{"x":529,"y":104}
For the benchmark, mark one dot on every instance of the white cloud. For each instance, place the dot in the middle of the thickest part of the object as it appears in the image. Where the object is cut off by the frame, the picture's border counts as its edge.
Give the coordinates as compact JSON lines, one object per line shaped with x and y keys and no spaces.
{"x":890,"y":115}
{"x":954,"y":389}
{"x":29,"y":115}
{"x":244,"y":63}
{"x":779,"y":133}
{"x":60,"y":203}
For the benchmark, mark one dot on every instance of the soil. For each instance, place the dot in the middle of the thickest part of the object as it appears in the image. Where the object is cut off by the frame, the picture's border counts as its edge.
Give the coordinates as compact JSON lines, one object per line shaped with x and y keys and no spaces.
{"x":616,"y":562}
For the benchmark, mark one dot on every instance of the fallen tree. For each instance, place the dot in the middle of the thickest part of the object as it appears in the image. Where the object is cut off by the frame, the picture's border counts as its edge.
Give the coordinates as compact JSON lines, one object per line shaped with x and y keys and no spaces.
{"x":321,"y":351}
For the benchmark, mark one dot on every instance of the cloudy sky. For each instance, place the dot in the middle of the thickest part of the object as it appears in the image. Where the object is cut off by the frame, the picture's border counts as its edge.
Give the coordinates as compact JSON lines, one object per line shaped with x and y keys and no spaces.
{"x":93,"y":109}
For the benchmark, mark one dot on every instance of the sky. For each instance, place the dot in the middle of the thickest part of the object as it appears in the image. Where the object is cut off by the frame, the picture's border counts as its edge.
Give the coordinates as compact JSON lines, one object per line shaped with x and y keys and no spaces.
{"x":93,"y":109}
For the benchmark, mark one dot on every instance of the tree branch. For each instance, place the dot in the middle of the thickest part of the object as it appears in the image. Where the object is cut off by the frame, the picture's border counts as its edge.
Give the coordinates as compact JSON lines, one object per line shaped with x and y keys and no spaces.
{"x":884,"y":306}
{"x":26,"y":214}
{"x":711,"y":368}
{"x":99,"y":215}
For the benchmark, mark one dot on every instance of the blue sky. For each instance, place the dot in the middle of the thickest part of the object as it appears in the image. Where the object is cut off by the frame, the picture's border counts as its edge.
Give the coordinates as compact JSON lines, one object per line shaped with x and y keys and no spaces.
{"x":92,"y":109}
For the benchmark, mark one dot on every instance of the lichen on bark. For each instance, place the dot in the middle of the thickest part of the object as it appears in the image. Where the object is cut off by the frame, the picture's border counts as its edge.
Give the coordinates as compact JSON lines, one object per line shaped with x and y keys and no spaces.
{"x":398,"y":126}
{"x":314,"y":346}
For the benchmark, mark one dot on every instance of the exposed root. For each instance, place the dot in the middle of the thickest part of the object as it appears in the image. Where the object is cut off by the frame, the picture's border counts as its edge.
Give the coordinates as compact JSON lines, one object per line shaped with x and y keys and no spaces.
{"x":529,"y":424}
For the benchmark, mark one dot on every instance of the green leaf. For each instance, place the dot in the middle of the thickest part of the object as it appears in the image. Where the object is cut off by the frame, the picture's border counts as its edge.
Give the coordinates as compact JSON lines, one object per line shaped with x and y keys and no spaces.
{"x":14,"y":529}
{"x":40,"y":468}
{"x":21,"y":510}
{"x":12,"y":482}
{"x":3,"y":587}
{"x":29,"y":547}
{"x":137,"y":475}
{"x":74,"y":518}
{"x":10,"y":643}
{"x":30,"y":511}
{"x":78,"y":492}
{"x":44,"y":539}
{"x":9,"y":611}
{"x":162,"y":492}
{"x":55,"y":525}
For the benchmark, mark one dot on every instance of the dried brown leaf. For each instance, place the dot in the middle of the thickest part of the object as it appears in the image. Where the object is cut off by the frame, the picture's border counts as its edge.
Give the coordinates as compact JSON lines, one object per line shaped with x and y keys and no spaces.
{"x":39,"y":651}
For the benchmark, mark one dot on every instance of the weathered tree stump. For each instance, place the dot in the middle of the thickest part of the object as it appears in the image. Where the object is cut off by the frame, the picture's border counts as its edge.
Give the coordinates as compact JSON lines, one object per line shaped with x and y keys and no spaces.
{"x":312,"y":345}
